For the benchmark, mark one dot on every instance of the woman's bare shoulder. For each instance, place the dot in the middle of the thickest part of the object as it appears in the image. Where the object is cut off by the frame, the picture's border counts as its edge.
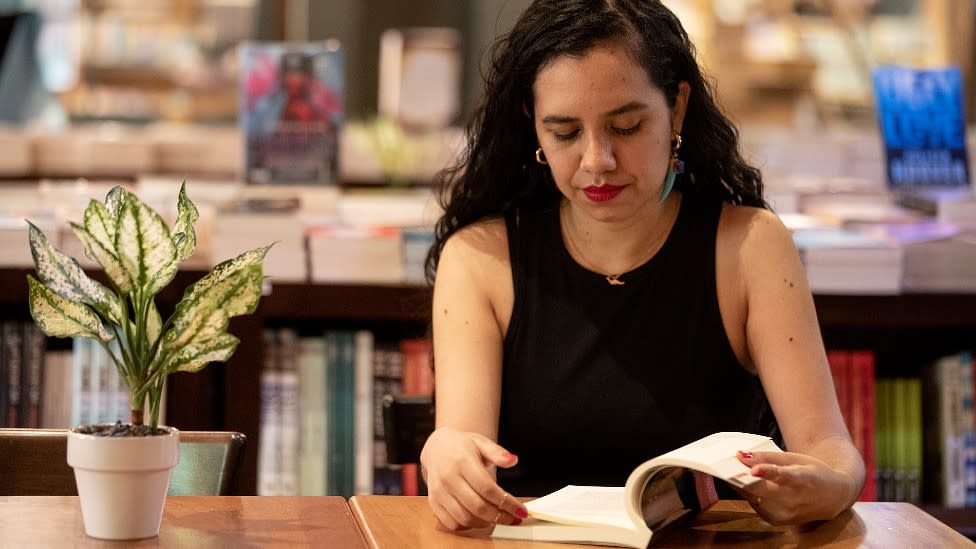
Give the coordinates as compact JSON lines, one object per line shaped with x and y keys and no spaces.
{"x":481,"y":241}
{"x":751,"y":226}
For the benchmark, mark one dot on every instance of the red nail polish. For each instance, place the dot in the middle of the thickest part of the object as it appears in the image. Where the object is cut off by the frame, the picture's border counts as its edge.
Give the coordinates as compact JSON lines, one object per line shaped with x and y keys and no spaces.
{"x":759,"y":473}
{"x":747,"y":455}
{"x":521,"y":512}
{"x":516,"y":521}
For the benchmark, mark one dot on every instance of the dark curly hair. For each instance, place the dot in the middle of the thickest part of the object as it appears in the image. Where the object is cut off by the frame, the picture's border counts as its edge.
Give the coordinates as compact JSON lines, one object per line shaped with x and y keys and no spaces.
{"x":497,"y":172}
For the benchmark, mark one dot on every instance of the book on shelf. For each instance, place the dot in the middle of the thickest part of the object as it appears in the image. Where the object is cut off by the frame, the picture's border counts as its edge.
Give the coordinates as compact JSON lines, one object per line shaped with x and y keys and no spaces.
{"x":312,"y":385}
{"x":847,"y":261}
{"x":627,"y":516}
{"x":418,"y":379}
{"x":291,"y":111}
{"x":420,"y":76}
{"x":923,"y":125}
{"x":944,"y":432}
{"x":355,"y":254}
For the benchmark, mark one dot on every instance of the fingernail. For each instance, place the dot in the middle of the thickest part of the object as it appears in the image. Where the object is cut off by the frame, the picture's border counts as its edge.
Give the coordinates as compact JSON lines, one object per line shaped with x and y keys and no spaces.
{"x":516,"y":521}
{"x":759,"y":473}
{"x":521,"y":512}
{"x":747,"y":455}
{"x":509,"y":455}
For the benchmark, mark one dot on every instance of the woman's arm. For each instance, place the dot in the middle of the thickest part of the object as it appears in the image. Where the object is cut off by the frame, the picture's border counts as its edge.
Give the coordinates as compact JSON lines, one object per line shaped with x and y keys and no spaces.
{"x":459,"y":459}
{"x":823,"y":473}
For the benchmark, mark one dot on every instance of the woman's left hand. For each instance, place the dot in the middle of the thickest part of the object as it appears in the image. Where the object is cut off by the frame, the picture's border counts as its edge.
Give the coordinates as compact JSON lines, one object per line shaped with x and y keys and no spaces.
{"x":796,"y":488}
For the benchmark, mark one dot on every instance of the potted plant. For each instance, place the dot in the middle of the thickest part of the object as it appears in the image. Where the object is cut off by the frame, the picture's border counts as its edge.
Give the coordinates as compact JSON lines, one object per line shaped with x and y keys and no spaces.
{"x":122,"y":470}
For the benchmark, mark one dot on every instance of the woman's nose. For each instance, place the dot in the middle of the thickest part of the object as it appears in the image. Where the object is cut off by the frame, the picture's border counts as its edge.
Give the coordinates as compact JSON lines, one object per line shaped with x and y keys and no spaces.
{"x":598,"y":155}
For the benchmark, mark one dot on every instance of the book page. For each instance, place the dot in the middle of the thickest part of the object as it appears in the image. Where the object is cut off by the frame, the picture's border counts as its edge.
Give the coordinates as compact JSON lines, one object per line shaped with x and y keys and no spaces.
{"x":584,"y":505}
{"x":716,"y":455}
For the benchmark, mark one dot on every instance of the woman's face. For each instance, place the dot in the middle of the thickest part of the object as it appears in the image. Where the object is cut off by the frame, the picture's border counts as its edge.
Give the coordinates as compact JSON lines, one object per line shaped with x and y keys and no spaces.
{"x":605,"y":130}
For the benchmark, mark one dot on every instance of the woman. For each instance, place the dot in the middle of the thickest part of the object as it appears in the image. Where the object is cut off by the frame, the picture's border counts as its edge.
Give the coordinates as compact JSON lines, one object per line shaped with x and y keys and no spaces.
{"x":610,"y":284}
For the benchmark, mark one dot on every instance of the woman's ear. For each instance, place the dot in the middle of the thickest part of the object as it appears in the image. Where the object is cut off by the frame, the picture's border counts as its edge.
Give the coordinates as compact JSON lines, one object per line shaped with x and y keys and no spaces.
{"x":680,"y":106}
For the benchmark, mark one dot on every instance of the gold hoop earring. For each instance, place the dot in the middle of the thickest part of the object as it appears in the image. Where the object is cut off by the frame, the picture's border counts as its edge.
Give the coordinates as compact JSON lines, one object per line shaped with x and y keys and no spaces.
{"x":540,"y":157}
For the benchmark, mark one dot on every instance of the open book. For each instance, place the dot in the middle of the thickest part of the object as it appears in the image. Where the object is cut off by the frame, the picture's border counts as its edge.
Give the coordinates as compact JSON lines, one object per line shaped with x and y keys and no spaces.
{"x":627,"y":515}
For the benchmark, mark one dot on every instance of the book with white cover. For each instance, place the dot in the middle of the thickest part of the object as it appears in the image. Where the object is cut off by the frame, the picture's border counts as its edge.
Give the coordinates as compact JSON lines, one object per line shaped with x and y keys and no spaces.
{"x":626,"y":516}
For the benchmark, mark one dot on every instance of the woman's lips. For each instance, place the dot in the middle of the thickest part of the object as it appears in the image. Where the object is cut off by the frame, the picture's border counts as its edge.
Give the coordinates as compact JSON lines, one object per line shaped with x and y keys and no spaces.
{"x":602,"y":193}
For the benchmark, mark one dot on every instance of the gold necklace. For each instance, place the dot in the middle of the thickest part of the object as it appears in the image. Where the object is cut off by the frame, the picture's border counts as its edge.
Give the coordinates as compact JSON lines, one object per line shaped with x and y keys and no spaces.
{"x":612,"y":279}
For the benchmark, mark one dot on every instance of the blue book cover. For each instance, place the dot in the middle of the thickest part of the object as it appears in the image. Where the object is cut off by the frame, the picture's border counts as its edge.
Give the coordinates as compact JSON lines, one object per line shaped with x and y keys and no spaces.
{"x":291,"y":111}
{"x":923,"y":126}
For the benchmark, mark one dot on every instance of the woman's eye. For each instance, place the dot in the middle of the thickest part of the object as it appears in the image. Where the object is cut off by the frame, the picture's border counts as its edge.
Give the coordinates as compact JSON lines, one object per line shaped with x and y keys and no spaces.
{"x":626,"y":131}
{"x":565,"y":136}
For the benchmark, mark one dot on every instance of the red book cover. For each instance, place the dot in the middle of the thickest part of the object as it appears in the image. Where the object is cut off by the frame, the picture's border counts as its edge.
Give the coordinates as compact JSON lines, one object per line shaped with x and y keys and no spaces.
{"x":862,"y":400}
{"x":291,"y":111}
{"x":418,"y":379}
{"x":840,"y":371}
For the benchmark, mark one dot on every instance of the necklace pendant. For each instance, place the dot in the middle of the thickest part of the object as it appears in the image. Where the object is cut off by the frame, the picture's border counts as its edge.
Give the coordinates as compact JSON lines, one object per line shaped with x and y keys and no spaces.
{"x":614,"y":280}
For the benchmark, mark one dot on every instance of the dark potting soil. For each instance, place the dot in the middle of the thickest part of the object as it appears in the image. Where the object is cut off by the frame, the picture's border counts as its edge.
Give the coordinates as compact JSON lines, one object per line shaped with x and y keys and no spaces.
{"x":120,"y":429}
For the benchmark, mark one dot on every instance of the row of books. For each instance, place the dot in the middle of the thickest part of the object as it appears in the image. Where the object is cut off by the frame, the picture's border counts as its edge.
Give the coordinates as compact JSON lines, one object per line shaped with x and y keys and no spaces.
{"x":197,"y":151}
{"x":320,"y":235}
{"x":916,"y":434}
{"x":57,"y":388}
{"x":321,"y":428}
{"x":22,"y":348}
{"x":873,"y":242}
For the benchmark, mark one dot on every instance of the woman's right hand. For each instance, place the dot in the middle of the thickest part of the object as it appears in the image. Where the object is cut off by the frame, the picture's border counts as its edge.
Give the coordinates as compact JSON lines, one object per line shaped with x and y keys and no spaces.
{"x":459,"y":468}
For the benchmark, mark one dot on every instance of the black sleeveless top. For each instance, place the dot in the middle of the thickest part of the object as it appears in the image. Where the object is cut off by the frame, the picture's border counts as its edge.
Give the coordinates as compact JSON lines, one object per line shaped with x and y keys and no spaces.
{"x":599,"y":378}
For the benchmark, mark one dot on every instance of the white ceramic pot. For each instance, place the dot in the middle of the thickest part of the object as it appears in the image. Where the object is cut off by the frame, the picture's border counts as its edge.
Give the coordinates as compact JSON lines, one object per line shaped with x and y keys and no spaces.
{"x":122,"y":482}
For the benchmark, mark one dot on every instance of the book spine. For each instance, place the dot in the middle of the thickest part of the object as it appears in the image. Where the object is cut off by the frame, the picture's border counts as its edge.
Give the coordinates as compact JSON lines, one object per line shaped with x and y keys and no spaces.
{"x":312,"y":388}
{"x":418,"y":379}
{"x":290,"y":415}
{"x":966,"y":386}
{"x":862,"y":371}
{"x":3,"y":379}
{"x":914,"y":491}
{"x":364,"y":416}
{"x":32,"y":377}
{"x":269,"y":446}
{"x":13,"y":356}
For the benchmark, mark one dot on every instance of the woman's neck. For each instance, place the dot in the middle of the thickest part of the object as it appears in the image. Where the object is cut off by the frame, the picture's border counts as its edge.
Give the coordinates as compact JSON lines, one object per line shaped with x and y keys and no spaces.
{"x":614,"y":248}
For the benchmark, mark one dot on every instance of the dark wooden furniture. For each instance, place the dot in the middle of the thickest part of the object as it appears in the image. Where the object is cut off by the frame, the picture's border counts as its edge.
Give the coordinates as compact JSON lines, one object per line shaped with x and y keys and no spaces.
{"x":407,"y":422}
{"x":190,"y":522}
{"x":35,"y":463}
{"x":398,"y":521}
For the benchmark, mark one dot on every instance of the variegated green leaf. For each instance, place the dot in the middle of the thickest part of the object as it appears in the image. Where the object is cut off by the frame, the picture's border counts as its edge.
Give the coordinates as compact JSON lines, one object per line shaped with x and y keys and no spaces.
{"x":200,"y":323}
{"x":63,"y":275}
{"x":154,"y":322}
{"x":184,"y":237}
{"x":101,"y":224}
{"x":114,"y":200}
{"x":223,"y":271}
{"x":236,"y":294}
{"x":60,"y":317}
{"x":194,"y":357}
{"x":105,"y":257}
{"x":144,"y":246}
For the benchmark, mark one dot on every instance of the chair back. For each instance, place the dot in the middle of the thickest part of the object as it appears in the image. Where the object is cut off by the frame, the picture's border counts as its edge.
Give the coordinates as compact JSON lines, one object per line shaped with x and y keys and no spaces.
{"x":34,"y":463}
{"x":407,"y":422}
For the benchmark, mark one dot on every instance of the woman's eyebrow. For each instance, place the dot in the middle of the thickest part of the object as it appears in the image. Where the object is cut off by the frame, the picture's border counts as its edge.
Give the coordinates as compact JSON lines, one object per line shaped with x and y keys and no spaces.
{"x":632,"y":106}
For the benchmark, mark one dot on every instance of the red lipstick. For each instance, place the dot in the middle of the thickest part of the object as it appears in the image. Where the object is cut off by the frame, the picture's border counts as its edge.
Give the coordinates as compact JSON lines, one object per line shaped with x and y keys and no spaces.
{"x":602,"y":193}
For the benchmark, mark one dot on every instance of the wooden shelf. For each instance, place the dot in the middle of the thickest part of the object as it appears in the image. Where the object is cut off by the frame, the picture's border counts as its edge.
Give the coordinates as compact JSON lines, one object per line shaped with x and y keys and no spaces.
{"x":896,"y":311}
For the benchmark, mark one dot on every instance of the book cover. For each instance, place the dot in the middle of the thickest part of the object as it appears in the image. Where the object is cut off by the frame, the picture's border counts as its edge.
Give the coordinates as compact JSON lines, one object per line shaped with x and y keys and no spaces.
{"x":923,"y":125}
{"x":291,"y":111}
{"x":628,"y":515}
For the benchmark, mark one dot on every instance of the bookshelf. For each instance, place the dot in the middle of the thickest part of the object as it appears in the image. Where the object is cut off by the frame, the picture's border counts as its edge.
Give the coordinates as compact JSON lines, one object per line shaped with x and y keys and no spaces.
{"x":904,"y":330}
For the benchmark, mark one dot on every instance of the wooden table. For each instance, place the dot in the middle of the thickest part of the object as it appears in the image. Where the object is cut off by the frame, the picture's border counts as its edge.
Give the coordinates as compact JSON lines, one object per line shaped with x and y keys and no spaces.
{"x":190,"y":521}
{"x":397,"y":521}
